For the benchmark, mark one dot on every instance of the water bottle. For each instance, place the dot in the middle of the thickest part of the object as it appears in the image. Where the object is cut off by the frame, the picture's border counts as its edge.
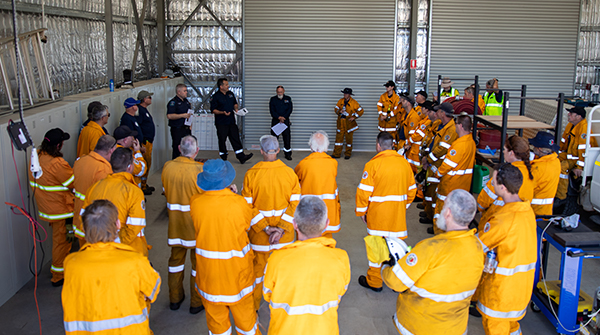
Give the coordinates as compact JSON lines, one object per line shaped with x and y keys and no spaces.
{"x":111,"y":85}
{"x":490,"y":262}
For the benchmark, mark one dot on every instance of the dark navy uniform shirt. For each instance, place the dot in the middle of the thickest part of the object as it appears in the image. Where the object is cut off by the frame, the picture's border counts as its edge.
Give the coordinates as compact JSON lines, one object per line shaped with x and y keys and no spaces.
{"x":131,"y":122}
{"x":146,"y":123}
{"x":178,"y":106}
{"x":281,"y":107}
{"x":225,"y":103}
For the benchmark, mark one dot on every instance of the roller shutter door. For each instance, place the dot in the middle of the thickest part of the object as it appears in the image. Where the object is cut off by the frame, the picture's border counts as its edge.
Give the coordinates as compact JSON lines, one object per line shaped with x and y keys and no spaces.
{"x":519,"y":42}
{"x":315,"y":49}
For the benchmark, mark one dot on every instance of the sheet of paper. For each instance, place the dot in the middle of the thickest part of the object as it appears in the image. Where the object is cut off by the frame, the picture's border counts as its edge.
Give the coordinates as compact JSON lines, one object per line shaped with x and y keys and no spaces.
{"x":241,"y":112}
{"x":279,"y":128}
{"x":188,"y":121}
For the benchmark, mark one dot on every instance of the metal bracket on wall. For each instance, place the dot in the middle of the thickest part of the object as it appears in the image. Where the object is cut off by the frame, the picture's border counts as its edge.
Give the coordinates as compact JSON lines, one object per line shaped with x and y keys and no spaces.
{"x":32,"y":76}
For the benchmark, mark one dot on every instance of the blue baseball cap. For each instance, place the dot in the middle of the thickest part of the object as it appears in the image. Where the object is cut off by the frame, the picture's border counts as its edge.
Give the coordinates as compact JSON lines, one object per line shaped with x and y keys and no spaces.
{"x":130,"y":102}
{"x":544,"y":139}
{"x":216,"y":175}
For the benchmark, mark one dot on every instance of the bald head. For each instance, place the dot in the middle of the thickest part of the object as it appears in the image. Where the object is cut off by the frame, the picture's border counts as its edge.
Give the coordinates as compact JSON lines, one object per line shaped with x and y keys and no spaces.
{"x":319,"y":141}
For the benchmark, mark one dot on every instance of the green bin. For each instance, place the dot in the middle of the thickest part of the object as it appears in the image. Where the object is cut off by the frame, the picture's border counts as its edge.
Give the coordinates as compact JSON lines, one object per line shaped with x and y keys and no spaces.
{"x":481,"y":175}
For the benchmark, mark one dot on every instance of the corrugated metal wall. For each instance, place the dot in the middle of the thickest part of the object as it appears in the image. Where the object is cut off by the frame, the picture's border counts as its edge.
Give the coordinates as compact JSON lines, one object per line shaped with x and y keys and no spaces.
{"x":519,"y":42}
{"x":315,"y":49}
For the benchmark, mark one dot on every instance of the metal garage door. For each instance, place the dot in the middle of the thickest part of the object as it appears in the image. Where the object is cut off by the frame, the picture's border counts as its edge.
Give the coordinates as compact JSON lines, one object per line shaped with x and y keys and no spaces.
{"x":519,"y":42}
{"x":315,"y":49}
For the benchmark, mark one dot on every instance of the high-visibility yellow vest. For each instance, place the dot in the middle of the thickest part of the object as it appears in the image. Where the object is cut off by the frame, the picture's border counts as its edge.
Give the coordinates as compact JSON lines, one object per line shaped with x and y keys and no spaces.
{"x":492,"y":106}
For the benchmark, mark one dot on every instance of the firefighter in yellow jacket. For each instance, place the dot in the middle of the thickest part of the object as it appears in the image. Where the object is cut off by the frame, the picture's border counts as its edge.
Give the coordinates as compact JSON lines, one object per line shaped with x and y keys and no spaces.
{"x":273,"y":188}
{"x":225,"y":276}
{"x":317,"y":174}
{"x":456,"y":171}
{"x":430,"y":301}
{"x":412,"y":147}
{"x":108,"y":285}
{"x":305,"y":281}
{"x":546,"y":172}
{"x":443,"y":137}
{"x":516,"y":152}
{"x":126,"y":139}
{"x":91,"y":133}
{"x":507,"y":281}
{"x":347,"y":110}
{"x":120,"y":189}
{"x":179,"y":182}
{"x":572,"y":159}
{"x":388,"y":108}
{"x":386,"y":190}
{"x":407,"y":124}
{"x":88,"y":170}
{"x":52,"y":192}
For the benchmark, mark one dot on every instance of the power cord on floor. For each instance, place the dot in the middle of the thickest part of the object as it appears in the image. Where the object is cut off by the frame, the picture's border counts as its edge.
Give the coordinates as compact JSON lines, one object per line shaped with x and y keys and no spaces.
{"x":548,"y":292}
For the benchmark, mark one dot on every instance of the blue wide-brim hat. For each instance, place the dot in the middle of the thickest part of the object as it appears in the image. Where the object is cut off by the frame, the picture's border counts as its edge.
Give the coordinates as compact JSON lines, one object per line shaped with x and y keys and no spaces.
{"x":544,"y":140}
{"x":216,"y":175}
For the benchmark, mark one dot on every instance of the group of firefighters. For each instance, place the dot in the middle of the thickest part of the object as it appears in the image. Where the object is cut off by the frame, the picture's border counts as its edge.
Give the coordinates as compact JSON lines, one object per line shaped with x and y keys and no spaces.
{"x":274,"y":241}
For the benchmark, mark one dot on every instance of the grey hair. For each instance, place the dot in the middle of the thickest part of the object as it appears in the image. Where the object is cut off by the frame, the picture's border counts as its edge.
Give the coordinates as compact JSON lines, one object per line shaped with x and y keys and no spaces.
{"x":188,"y":146}
{"x":462,"y":205}
{"x":269,"y":144}
{"x":311,"y":216}
{"x":98,"y":112}
{"x":319,"y":141}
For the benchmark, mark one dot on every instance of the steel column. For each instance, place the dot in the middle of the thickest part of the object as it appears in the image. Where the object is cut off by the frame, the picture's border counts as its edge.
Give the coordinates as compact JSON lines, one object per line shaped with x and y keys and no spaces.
{"x":161,"y":33}
{"x":414,"y":30}
{"x":110,"y":53}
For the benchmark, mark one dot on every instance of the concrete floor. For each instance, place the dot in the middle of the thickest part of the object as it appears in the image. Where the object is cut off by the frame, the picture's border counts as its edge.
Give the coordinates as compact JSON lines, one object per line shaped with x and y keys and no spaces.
{"x":361,"y":311}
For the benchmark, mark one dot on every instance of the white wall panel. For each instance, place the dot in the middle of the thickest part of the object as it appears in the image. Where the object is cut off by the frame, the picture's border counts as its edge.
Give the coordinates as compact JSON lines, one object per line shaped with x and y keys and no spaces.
{"x":315,"y":49}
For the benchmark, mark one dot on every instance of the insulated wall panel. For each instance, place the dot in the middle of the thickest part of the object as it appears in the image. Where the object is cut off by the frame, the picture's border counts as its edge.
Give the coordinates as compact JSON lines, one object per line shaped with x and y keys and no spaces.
{"x":315,"y":49}
{"x":519,"y":42}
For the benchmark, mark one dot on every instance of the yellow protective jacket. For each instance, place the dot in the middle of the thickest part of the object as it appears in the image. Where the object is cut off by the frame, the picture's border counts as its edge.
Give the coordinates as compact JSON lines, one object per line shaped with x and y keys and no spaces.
{"x":317,"y":174}
{"x":139,"y":166}
{"x":179,"y":178}
{"x":488,"y":201}
{"x":546,"y":174}
{"x":416,"y":140}
{"x":52,"y":190}
{"x":410,"y":123}
{"x":442,"y":140}
{"x":572,"y":144}
{"x":436,"y":281}
{"x":352,"y":109}
{"x":87,"y":170}
{"x":430,"y":131}
{"x":88,"y":138}
{"x":456,"y":171}
{"x":386,"y":190}
{"x":304,"y":283}
{"x":224,"y":270}
{"x":107,"y":286}
{"x":511,"y":232}
{"x":120,"y":189}
{"x":273,"y":189}
{"x":388,"y":106}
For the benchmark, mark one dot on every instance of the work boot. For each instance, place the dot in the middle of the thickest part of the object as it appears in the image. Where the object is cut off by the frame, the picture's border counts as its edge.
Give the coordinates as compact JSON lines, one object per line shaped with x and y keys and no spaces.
{"x":417,"y":200}
{"x":151,"y":188}
{"x":147,"y":191}
{"x":362,"y":281}
{"x":224,"y":157}
{"x":196,"y":310}
{"x":571,"y":206}
{"x":175,"y":305}
{"x":288,"y":156}
{"x":245,"y":158}
{"x":426,"y":220}
{"x":473,"y":310}
{"x":430,"y":231}
{"x":420,"y":206}
{"x":346,"y":157}
{"x":336,"y":157}
{"x":422,"y":215}
{"x":58,"y":283}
